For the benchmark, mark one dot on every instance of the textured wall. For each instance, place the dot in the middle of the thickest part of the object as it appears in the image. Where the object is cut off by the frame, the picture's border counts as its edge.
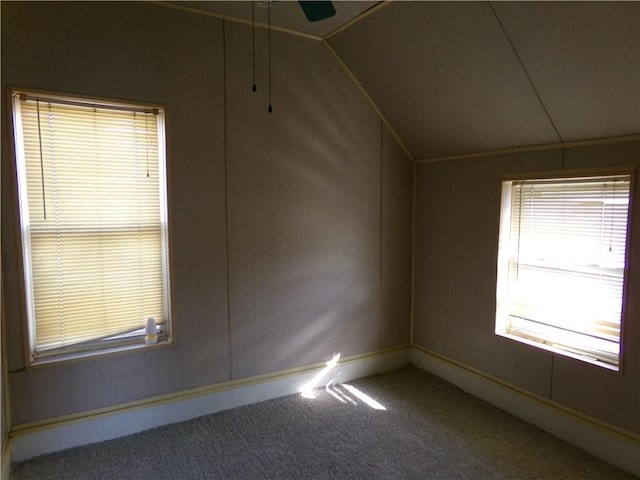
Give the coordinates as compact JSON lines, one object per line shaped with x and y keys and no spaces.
{"x":277,"y":254}
{"x":457,"y":214}
{"x":4,"y":427}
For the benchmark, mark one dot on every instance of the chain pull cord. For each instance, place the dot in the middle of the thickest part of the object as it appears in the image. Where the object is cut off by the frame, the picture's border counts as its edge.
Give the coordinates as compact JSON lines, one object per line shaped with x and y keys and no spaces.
{"x":253,"y":42}
{"x":270,"y":109}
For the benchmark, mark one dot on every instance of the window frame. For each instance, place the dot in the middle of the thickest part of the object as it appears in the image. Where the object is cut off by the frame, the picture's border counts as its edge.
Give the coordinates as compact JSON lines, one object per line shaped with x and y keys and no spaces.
{"x":99,"y":346}
{"x":504,"y":225}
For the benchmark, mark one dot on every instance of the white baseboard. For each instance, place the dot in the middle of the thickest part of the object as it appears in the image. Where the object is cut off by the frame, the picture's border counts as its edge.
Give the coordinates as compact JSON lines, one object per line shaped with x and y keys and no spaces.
{"x":35,"y":439}
{"x":614,"y":445}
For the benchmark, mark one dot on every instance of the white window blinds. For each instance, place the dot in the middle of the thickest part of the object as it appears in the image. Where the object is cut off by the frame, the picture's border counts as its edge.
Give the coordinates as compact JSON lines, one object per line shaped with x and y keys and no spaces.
{"x":566,"y":264}
{"x":92,"y":200}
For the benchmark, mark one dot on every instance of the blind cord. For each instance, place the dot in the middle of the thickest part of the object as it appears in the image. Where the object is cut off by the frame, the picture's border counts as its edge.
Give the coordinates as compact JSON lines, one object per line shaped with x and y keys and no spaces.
{"x":146,"y":133}
{"x":135,"y":139}
{"x":269,"y":46}
{"x":44,"y":201}
{"x":253,"y":41}
{"x":603,"y":212}
{"x":519,"y":231}
{"x":613,"y":206}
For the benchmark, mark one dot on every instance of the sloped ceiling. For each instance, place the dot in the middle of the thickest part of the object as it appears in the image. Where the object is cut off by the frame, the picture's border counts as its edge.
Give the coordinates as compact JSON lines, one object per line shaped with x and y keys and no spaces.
{"x":454,"y":78}
{"x":447,"y":81}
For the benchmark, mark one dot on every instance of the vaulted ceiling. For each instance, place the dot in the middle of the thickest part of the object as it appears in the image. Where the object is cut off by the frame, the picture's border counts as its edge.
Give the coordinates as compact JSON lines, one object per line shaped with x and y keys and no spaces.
{"x":453,"y":78}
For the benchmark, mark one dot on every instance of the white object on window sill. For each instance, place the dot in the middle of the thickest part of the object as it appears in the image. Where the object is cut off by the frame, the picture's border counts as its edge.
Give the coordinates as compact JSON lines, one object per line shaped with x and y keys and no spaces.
{"x":151,"y":332}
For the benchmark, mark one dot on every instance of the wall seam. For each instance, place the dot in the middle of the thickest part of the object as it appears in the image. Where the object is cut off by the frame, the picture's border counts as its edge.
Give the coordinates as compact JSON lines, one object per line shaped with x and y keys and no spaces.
{"x":380,"y":234}
{"x":226,"y":191}
{"x":526,"y":73}
{"x":413,"y":255}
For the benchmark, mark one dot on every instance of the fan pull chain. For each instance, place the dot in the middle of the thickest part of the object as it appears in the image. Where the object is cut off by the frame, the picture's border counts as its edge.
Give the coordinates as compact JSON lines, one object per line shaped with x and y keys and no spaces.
{"x":253,"y":41}
{"x":269,"y":46}
{"x":44,"y":198}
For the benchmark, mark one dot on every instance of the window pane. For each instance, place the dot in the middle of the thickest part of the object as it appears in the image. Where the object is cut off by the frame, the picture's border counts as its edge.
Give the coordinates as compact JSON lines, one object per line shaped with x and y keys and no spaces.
{"x":564,"y":244}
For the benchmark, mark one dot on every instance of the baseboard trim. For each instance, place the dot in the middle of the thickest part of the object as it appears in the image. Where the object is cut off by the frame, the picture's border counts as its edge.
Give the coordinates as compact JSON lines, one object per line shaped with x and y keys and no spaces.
{"x":611,"y":444}
{"x":31,"y":440}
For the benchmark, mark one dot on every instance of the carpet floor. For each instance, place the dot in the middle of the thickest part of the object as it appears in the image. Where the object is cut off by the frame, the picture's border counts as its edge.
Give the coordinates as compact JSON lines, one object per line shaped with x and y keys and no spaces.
{"x":420,"y":428}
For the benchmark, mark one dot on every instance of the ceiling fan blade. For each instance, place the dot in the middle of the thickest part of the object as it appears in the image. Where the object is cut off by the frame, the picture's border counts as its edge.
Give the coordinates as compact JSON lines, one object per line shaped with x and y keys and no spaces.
{"x":316,"y":11}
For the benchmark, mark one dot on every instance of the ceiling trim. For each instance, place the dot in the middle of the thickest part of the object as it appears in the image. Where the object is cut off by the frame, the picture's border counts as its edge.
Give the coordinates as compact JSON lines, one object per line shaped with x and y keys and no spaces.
{"x":355,"y":20}
{"x":535,"y":148}
{"x":229,"y":18}
{"x":369,"y":99}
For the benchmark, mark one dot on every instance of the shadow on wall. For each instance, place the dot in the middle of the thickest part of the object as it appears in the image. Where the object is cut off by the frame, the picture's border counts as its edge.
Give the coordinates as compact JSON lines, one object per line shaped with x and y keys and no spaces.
{"x":304,"y":213}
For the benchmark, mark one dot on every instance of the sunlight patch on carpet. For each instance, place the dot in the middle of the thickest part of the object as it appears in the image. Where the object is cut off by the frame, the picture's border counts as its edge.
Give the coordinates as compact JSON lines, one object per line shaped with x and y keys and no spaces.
{"x":307,"y":389}
{"x":360,"y":395}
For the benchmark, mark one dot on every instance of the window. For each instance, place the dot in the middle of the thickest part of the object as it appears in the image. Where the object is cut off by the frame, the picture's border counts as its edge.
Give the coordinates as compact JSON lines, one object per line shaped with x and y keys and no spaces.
{"x":561,"y":264}
{"x":92,"y":197}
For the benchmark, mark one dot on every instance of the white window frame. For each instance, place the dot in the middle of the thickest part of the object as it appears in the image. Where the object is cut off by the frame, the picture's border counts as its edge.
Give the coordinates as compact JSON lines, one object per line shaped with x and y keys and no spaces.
{"x":551,"y":339}
{"x":130,"y":340}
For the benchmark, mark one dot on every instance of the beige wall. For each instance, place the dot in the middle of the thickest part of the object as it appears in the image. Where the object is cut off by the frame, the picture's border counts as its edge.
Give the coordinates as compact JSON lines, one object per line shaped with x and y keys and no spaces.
{"x":457,"y":212}
{"x":277,"y":252}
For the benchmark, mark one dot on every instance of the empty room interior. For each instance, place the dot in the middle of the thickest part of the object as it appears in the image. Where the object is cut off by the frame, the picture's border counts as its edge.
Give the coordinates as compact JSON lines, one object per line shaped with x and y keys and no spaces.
{"x":210,"y":204}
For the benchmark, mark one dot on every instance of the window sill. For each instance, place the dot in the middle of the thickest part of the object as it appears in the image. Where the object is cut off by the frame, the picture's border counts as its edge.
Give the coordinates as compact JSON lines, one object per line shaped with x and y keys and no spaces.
{"x":559,"y":351}
{"x":55,"y":359}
